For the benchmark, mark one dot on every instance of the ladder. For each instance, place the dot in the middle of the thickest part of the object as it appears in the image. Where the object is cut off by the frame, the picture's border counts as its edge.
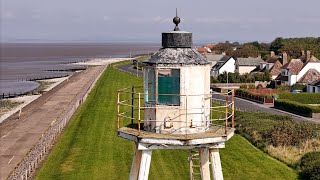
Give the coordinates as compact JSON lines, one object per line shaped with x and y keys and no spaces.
{"x":194,"y":163}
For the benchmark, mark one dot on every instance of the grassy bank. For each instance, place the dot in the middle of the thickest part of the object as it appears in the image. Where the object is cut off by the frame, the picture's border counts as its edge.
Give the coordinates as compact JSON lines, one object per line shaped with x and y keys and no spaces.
{"x":90,"y":149}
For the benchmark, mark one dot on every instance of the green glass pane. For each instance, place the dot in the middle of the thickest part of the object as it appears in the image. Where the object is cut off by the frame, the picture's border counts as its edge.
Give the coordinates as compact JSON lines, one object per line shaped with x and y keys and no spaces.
{"x":169,"y":87}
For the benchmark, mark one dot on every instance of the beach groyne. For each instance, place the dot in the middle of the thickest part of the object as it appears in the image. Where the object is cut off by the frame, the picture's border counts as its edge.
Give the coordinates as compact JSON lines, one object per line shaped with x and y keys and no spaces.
{"x":33,"y":159}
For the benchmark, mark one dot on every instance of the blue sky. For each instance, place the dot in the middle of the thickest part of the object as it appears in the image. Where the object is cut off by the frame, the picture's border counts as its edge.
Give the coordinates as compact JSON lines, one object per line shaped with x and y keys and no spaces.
{"x":144,"y":20}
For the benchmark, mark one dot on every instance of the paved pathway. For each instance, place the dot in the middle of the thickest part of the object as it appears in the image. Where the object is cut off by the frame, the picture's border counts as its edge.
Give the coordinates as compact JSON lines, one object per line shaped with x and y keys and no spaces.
{"x":17,"y":137}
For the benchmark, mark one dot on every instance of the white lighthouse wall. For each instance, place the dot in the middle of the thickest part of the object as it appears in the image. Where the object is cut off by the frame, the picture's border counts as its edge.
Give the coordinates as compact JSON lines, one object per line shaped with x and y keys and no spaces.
{"x":192,"y":115}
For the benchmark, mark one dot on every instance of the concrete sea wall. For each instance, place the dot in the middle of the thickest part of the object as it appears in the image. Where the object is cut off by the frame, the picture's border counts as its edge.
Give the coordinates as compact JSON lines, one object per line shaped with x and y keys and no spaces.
{"x":35,"y":156}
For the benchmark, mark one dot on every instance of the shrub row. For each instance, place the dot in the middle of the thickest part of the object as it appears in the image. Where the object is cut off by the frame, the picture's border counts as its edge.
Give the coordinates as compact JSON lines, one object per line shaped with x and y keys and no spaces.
{"x":244,"y":91}
{"x":304,"y":98}
{"x":296,"y":107}
{"x":309,"y":166}
{"x":263,"y":129}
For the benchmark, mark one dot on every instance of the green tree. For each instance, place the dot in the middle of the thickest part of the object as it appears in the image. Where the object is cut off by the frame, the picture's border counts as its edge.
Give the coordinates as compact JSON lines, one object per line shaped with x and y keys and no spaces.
{"x":276,"y":45}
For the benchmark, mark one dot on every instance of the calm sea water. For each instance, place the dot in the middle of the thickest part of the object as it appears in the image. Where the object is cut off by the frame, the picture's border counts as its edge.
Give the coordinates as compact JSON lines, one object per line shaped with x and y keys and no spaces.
{"x":22,"y":63}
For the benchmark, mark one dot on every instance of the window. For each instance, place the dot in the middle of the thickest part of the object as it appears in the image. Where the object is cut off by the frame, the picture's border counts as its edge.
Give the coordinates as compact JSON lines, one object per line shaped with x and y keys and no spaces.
{"x":150,"y":85}
{"x":169,"y":86}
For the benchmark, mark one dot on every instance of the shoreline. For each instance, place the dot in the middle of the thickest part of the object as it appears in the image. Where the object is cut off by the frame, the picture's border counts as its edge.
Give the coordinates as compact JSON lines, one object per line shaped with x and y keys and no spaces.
{"x":27,"y":99}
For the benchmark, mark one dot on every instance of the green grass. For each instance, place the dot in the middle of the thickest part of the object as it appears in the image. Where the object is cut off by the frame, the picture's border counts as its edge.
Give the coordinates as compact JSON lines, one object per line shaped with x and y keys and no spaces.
{"x":241,"y":160}
{"x":90,"y":149}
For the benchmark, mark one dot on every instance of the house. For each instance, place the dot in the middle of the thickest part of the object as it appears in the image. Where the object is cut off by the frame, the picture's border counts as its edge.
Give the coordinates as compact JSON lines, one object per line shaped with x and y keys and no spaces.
{"x":314,"y":86}
{"x":290,"y":71}
{"x":213,"y":58}
{"x":296,"y":71}
{"x":202,"y":50}
{"x":246,"y":65}
{"x":225,"y":64}
{"x":275,"y":70}
{"x":310,"y":76}
{"x":273,"y":64}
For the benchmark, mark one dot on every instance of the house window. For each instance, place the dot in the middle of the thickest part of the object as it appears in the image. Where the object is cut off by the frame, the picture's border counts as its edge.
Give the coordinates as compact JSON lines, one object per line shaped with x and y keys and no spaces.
{"x":169,"y":86}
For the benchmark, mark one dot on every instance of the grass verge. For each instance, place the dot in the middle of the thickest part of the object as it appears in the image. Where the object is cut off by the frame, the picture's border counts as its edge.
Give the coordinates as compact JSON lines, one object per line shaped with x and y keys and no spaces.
{"x":90,"y":149}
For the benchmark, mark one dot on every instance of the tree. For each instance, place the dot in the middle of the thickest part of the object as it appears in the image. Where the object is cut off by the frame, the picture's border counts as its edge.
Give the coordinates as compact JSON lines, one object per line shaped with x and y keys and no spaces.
{"x":276,"y":45}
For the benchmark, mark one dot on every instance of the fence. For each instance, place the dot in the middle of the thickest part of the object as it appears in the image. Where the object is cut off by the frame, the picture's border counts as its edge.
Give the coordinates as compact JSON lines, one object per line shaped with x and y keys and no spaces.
{"x":35,"y":156}
{"x":131,"y":109}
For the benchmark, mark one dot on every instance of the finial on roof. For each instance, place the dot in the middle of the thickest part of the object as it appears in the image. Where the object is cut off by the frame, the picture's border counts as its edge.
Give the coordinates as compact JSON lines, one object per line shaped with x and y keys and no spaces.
{"x":176,"y":21}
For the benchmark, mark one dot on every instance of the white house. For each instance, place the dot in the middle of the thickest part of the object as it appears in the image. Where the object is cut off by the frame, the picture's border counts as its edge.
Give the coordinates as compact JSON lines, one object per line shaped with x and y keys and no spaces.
{"x":246,"y":65}
{"x":293,"y":71}
{"x":225,"y":64}
{"x":314,"y":87}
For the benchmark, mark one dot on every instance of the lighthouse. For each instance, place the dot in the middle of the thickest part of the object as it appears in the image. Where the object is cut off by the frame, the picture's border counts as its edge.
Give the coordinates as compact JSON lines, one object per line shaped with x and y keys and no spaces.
{"x":174,"y":109}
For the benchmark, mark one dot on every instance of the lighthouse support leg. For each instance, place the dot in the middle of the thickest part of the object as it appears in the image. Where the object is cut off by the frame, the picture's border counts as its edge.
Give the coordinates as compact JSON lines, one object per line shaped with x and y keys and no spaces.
{"x":135,"y":166}
{"x":204,"y":163}
{"x":145,"y":164}
{"x":140,"y":164}
{"x":216,"y":164}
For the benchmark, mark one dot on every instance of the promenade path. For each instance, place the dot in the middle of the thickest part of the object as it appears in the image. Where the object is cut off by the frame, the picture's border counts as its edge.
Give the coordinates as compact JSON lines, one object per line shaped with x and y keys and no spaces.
{"x":18,"y":136}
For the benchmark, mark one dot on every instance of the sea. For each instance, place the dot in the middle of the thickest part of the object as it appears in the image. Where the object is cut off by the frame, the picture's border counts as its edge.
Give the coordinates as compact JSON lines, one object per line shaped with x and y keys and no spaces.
{"x":21,"y":64}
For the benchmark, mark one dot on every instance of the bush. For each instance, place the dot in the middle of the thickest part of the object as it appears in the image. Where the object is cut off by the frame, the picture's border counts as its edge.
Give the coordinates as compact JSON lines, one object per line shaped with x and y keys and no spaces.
{"x":290,"y":133}
{"x":296,"y":107}
{"x":309,"y":165}
{"x":244,"y":91}
{"x":298,"y":86}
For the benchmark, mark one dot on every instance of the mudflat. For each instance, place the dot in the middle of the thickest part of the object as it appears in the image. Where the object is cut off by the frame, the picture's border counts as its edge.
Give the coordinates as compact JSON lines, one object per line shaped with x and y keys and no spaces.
{"x":18,"y":136}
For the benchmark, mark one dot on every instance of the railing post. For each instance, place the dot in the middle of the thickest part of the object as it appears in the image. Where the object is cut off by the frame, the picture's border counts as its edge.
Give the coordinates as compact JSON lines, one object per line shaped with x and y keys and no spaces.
{"x":139,"y":116}
{"x":226,"y":123}
{"x":118,"y":104}
{"x":132,"y":104}
{"x":233,"y":108}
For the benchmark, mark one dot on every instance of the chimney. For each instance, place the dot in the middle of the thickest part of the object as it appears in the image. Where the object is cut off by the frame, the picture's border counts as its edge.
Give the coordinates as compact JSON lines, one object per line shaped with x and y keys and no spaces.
{"x":284,"y":58}
{"x":308,"y":55}
{"x":271,"y":53}
{"x":223,"y":53}
{"x":259,"y":56}
{"x":302,"y":53}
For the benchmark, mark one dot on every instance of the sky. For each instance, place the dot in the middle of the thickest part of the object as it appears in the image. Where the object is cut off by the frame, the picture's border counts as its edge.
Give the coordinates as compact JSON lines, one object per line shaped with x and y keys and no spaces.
{"x":145,"y":20}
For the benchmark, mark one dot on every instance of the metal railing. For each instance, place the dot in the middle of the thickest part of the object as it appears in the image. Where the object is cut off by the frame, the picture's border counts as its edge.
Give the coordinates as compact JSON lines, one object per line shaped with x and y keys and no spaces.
{"x":131,"y":106}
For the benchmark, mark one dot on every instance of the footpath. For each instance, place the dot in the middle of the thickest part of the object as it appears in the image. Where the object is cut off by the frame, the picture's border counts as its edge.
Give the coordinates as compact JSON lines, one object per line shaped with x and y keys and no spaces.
{"x":19,"y":136}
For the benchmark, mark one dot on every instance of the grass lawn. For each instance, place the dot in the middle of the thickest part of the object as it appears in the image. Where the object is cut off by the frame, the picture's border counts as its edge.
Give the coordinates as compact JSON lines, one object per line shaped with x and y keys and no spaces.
{"x":90,"y":149}
{"x":304,"y":98}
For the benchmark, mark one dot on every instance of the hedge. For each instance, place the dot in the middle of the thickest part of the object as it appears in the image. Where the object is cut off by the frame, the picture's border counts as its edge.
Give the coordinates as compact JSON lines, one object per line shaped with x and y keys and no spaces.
{"x":309,"y":165}
{"x":296,"y":107}
{"x":248,"y":92}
